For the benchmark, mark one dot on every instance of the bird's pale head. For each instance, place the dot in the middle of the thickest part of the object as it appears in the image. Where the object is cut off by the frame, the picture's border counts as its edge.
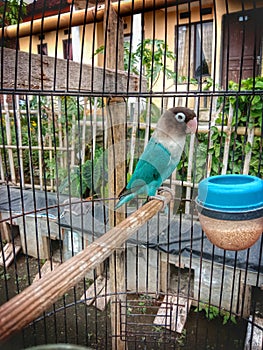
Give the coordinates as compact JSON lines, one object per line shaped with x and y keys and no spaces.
{"x":184,"y":119}
{"x":176,"y":122}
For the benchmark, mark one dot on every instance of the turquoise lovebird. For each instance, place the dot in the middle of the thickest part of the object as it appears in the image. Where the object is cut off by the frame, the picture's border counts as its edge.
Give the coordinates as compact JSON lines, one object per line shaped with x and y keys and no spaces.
{"x":161,"y":155}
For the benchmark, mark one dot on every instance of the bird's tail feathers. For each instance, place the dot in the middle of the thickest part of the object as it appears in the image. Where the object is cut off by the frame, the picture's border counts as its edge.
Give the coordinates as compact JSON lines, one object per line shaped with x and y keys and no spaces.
{"x":125,"y":198}
{"x":128,"y":194}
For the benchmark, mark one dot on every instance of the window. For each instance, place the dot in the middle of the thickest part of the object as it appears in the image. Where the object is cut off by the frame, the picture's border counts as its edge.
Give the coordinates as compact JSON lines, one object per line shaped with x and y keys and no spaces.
{"x":42,"y":49}
{"x":67,"y":49}
{"x":194,"y":60}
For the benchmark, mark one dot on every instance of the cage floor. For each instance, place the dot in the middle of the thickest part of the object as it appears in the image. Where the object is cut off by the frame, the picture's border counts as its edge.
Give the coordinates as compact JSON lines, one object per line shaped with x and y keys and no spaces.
{"x":70,"y":321}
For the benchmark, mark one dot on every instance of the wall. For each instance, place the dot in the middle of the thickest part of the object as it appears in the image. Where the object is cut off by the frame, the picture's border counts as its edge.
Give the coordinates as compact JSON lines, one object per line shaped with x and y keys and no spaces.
{"x":57,"y":49}
{"x":152,"y":20}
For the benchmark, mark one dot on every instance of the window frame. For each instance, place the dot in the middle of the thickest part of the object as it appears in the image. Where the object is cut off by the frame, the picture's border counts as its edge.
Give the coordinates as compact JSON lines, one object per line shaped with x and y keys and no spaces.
{"x":192,"y":51}
{"x":67,"y":49}
{"x":42,"y":49}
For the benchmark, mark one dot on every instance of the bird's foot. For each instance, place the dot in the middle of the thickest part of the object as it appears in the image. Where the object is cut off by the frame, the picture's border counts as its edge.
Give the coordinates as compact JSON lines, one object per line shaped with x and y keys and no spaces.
{"x":162,"y":198}
{"x":157,"y":196}
{"x":165,"y":189}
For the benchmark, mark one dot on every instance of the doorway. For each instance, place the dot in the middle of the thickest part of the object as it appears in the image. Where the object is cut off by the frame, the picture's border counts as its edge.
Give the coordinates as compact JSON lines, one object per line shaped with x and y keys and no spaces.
{"x":242,"y":44}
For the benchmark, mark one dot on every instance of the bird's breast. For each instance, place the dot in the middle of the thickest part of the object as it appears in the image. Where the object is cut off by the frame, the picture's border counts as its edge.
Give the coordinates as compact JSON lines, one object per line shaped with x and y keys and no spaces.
{"x":174,"y":147}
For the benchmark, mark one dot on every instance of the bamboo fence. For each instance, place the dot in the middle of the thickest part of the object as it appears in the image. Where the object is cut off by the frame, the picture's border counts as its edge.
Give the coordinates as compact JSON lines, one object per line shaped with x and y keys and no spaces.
{"x":65,"y":148}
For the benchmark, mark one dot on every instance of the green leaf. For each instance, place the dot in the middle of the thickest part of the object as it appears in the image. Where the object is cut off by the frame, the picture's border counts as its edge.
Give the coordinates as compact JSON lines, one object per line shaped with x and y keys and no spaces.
{"x":259,"y":84}
{"x":211,"y":150}
{"x":214,"y":136}
{"x":99,"y":50}
{"x":214,"y":129}
{"x":233,"y":319}
{"x":255,"y":100}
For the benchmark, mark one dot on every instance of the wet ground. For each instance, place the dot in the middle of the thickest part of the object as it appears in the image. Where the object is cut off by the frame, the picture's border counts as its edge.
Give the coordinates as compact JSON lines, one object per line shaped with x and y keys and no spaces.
{"x":71,"y":321}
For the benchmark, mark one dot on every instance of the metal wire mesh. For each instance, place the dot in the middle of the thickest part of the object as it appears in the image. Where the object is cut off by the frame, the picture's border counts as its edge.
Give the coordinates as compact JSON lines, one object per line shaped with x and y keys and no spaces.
{"x":83,"y":85}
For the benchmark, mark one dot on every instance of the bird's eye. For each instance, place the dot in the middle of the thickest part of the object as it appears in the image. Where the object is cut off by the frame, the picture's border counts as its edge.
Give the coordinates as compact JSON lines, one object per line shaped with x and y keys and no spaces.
{"x":180,"y":117}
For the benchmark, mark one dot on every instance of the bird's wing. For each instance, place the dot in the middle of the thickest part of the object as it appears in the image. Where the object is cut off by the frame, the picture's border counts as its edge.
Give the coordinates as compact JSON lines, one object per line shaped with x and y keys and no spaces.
{"x":153,"y":167}
{"x":141,"y":182}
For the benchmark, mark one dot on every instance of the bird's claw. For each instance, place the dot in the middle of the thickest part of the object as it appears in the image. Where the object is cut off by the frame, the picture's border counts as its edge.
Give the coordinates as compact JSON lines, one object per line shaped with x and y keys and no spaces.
{"x":165,"y":189}
{"x":160,"y":197}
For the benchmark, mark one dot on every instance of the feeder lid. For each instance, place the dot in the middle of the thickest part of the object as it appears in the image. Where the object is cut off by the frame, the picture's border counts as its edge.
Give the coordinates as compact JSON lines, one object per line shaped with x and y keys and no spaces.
{"x":231,"y":193}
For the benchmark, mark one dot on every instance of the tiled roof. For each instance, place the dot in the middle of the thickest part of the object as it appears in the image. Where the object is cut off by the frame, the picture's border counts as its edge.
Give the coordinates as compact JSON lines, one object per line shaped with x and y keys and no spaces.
{"x":45,"y":8}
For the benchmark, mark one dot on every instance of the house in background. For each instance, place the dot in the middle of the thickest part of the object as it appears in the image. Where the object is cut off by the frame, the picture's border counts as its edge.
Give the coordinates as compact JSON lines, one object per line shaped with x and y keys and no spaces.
{"x":209,"y":38}
{"x":48,"y":43}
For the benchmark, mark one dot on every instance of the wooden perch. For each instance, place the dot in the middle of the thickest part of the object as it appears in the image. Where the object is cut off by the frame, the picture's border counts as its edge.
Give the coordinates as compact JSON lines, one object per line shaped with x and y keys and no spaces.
{"x":25,"y":307}
{"x":22,"y":70}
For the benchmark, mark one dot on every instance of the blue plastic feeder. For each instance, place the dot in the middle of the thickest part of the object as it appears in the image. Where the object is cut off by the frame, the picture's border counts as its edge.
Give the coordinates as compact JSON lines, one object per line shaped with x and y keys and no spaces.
{"x":230,"y":209}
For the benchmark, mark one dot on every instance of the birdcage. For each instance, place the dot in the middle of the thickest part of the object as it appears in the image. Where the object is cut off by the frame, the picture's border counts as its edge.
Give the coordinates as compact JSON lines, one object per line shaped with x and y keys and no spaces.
{"x":84,"y":85}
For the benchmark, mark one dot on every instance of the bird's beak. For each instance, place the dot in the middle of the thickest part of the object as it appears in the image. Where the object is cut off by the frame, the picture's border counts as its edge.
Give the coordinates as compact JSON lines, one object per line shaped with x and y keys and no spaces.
{"x":191,"y":126}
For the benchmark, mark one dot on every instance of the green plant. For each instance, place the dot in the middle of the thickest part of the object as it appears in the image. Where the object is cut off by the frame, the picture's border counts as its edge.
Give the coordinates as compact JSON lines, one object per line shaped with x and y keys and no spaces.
{"x":154,"y":112}
{"x":212,"y":312}
{"x":70,"y":108}
{"x":24,"y":277}
{"x":181,"y":338}
{"x":43,"y":121}
{"x":247,"y":113}
{"x":89,"y":177}
{"x":152,"y":55}
{"x":150,"y":58}
{"x":144,"y":301}
{"x":142,"y":308}
{"x":5,"y":276}
{"x":246,"y":105}
{"x":12,"y":12}
{"x":30,"y":129}
{"x":227,"y":317}
{"x":129,"y":309}
{"x":157,"y":329}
